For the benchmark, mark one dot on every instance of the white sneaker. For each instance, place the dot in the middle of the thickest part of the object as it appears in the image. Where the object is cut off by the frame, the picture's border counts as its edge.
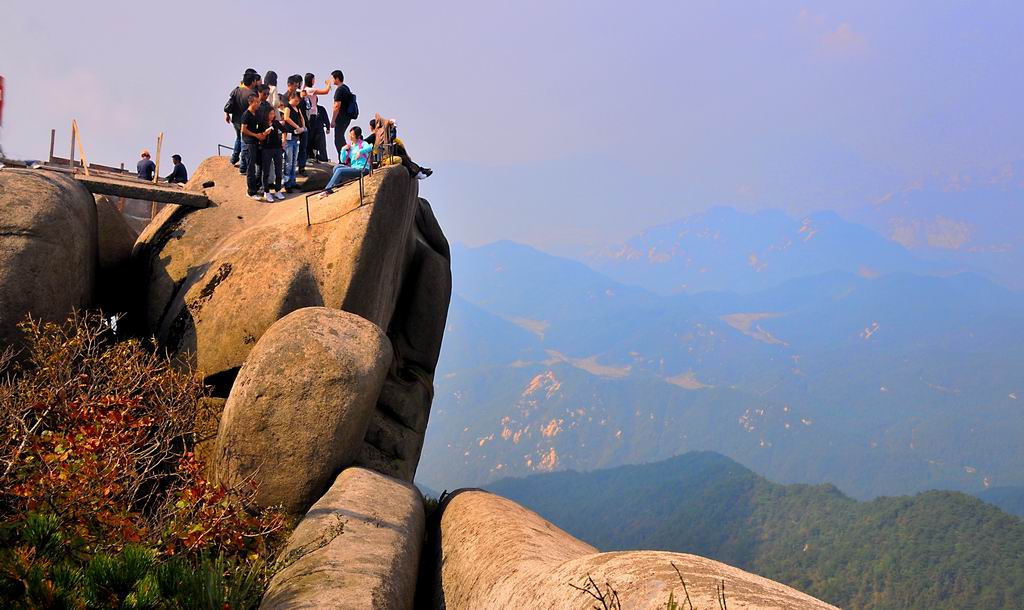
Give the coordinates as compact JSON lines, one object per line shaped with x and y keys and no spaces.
{"x":268,"y":197}
{"x":256,"y":197}
{"x":279,"y":195}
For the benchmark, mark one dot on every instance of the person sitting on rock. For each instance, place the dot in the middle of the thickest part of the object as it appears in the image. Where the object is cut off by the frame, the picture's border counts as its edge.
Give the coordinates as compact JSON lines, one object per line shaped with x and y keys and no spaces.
{"x":146,"y":167}
{"x":179,"y":175}
{"x":390,"y":149}
{"x":355,"y":160}
{"x":253,"y":133}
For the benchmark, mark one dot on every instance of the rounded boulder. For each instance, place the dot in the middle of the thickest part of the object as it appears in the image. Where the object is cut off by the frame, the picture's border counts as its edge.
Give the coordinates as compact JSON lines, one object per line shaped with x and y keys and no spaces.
{"x":494,"y":554}
{"x":47,"y":249}
{"x":301,"y":404}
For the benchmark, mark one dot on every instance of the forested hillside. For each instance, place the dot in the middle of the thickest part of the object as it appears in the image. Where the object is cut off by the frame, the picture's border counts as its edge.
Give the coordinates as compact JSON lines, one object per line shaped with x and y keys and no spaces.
{"x":934,"y":550}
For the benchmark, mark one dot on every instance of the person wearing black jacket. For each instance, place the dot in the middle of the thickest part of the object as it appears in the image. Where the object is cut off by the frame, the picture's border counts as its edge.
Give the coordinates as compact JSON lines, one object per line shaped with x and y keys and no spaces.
{"x":179,"y":175}
{"x":340,"y":118}
{"x":237,"y":102}
{"x":303,"y":140}
{"x":317,"y":138}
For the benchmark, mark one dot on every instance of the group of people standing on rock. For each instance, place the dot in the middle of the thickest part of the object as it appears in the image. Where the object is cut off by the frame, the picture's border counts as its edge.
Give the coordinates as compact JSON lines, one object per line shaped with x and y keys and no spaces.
{"x":278,"y":130}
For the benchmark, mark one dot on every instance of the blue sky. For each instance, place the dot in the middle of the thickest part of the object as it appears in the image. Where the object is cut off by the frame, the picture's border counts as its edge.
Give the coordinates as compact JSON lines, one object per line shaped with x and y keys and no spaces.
{"x":559,"y":123}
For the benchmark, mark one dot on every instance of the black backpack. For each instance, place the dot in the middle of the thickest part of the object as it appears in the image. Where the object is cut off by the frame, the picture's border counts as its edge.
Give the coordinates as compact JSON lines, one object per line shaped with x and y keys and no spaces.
{"x":353,"y":108}
{"x":229,"y":106}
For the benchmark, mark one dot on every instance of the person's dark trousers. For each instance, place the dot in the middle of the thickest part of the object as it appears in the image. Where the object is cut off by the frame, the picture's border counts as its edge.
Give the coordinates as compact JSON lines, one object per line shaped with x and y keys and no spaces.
{"x":236,"y":153}
{"x":303,"y":145}
{"x":321,"y":146}
{"x":251,"y":153}
{"x":340,"y":134}
{"x":271,"y":168}
{"x":317,"y":138}
{"x":399,"y":151}
{"x":311,"y":137}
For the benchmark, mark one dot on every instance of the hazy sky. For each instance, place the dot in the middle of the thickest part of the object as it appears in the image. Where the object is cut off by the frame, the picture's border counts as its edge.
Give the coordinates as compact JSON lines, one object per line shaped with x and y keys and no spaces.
{"x":557,"y":122}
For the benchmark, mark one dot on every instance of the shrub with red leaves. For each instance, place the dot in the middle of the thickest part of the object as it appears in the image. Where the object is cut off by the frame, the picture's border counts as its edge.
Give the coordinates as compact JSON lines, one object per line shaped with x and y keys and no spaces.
{"x":97,"y":432}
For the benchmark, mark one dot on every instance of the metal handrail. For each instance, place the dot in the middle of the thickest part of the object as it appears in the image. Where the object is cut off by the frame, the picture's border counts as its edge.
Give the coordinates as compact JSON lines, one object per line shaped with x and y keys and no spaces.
{"x":362,"y":194}
{"x":220,"y":146}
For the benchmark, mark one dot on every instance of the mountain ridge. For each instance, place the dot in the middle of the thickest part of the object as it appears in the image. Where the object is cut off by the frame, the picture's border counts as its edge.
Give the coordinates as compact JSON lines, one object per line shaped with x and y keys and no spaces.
{"x":935,"y":549}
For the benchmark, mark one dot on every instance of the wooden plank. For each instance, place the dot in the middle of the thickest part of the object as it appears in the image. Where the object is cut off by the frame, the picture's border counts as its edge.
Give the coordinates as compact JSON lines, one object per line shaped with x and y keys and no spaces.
{"x":81,"y":149}
{"x":94,"y":167}
{"x":137,"y":189}
{"x":159,"y":145}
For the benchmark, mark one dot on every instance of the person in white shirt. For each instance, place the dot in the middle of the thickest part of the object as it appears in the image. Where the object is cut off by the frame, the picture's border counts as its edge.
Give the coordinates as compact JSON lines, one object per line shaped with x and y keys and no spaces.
{"x":315,"y":140}
{"x":271,"y":80}
{"x":312,"y":93}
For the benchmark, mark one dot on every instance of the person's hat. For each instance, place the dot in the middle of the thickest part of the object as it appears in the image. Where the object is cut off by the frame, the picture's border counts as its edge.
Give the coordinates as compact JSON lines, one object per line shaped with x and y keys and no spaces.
{"x":145,"y":153}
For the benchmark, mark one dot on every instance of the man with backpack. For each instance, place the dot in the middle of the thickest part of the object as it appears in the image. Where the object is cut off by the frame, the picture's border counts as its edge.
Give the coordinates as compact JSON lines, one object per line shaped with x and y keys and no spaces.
{"x":238,"y":102}
{"x":345,"y":110}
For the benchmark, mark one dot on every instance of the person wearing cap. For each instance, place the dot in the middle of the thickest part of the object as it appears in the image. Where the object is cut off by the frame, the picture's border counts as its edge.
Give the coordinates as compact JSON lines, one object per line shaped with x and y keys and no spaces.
{"x":179,"y":175}
{"x":146,"y":167}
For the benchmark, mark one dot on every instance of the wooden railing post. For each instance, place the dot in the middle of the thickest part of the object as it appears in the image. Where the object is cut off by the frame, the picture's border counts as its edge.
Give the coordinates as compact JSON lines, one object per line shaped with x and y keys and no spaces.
{"x":159,"y":145}
{"x":71,"y":156}
{"x":81,"y":149}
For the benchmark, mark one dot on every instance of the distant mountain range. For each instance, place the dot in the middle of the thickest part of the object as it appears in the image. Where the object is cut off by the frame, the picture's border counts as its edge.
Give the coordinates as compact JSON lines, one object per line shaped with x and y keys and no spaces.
{"x":858,"y":371}
{"x":725,"y":249}
{"x":936,"y":550}
{"x":961,"y":222}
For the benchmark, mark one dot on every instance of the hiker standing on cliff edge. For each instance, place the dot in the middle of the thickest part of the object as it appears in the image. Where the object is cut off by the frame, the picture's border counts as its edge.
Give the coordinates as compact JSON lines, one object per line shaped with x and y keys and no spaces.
{"x":238,"y":101}
{"x":253,"y":134}
{"x":344,"y":110}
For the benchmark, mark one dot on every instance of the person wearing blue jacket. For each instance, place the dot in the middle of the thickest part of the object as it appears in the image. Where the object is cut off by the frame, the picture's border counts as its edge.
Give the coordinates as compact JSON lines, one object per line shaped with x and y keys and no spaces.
{"x":355,"y":160}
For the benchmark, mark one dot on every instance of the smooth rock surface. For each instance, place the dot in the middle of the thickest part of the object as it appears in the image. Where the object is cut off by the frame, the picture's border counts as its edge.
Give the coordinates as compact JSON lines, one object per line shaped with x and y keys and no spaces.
{"x":47,"y":248}
{"x":495,"y":554}
{"x":358,"y":548}
{"x":202,"y":267}
{"x":395,"y":438}
{"x":316,"y":178}
{"x":301,"y":405}
{"x":216,"y":279}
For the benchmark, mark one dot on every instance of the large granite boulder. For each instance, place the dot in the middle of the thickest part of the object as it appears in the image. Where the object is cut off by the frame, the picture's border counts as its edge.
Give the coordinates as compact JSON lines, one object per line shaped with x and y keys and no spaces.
{"x":495,"y":554}
{"x":216,"y":279}
{"x":47,"y":248}
{"x":358,"y":548}
{"x":300,"y":407}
